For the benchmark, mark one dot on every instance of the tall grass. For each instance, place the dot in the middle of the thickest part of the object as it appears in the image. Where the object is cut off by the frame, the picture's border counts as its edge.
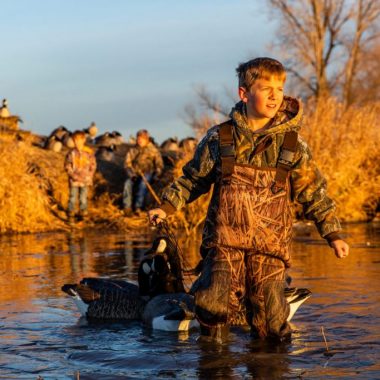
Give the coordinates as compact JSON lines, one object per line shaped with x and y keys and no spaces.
{"x":345,"y":146}
{"x":34,"y":185}
{"x":28,"y":178}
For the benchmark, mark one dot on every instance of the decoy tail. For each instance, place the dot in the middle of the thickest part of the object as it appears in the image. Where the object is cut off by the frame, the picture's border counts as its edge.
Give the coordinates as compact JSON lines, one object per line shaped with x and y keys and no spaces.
{"x":296,"y":297}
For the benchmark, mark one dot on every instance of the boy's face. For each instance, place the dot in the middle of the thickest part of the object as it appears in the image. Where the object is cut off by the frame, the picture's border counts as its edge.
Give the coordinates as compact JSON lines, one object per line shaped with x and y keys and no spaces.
{"x":264,"y":98}
{"x":142,"y":141}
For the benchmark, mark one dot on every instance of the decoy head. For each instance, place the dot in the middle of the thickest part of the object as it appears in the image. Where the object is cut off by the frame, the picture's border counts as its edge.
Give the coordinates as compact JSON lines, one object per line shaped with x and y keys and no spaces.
{"x":162,"y":244}
{"x":160,"y":270}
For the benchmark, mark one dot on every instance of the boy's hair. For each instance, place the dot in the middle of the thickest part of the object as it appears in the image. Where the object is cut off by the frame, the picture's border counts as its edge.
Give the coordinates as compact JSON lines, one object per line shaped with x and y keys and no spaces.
{"x":78,"y":135}
{"x":143,"y":133}
{"x":259,"y":68}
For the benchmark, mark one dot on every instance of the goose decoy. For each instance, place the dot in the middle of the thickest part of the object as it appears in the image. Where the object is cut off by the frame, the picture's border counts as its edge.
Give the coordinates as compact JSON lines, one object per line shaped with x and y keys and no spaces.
{"x":117,"y":299}
{"x":4,"y":112}
{"x":295,"y":298}
{"x":170,"y":312}
{"x":188,"y":145}
{"x":54,"y":144}
{"x":92,"y":130}
{"x":98,"y":298}
{"x":160,"y":271}
{"x":118,"y":138}
{"x":159,"y":301}
{"x":170,"y":145}
{"x":59,"y":133}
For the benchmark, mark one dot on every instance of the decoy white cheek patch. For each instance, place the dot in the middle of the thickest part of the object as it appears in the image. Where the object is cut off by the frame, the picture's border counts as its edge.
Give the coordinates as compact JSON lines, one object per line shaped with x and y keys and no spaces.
{"x":146,"y":268}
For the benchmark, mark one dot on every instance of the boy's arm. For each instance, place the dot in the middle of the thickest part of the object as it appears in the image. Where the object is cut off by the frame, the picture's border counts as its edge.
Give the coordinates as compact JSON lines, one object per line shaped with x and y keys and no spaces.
{"x":198,"y":176}
{"x":309,"y":189}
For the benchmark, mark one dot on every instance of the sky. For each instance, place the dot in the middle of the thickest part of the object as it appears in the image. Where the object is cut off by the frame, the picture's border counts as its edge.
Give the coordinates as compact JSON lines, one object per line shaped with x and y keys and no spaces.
{"x":124,"y":64}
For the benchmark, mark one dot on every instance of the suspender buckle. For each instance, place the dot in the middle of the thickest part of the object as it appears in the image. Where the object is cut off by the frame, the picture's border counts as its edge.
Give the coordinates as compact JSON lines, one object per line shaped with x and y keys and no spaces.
{"x":286,"y":157}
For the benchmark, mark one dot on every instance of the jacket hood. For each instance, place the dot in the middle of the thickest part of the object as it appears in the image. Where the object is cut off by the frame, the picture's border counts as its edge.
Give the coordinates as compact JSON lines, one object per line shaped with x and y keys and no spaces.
{"x":288,"y":117}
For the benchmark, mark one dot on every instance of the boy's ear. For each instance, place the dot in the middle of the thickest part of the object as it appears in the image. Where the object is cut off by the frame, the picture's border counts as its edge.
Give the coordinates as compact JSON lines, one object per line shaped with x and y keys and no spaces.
{"x":243,"y":94}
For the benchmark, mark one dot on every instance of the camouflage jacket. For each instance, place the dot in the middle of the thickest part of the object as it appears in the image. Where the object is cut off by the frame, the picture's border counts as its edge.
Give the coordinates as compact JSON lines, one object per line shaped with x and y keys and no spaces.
{"x":80,"y":166}
{"x":147,"y":160}
{"x":308,"y":186}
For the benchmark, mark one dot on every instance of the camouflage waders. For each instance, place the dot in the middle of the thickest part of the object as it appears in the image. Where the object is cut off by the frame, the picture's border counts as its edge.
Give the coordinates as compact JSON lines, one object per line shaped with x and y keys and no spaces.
{"x":243,"y":279}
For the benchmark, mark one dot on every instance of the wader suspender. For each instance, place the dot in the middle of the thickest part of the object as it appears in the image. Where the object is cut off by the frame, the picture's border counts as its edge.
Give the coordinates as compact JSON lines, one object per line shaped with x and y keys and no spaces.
{"x":227,"y":148}
{"x":284,"y":162}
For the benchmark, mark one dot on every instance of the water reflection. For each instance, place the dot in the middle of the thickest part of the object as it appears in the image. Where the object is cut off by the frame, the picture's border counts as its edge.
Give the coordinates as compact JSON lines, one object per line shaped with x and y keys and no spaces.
{"x":41,"y":333}
{"x":42,"y":263}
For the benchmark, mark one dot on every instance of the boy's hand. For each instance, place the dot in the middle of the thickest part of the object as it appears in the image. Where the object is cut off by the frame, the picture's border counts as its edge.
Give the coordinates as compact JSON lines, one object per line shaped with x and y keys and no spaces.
{"x":341,"y":248}
{"x":156,"y":216}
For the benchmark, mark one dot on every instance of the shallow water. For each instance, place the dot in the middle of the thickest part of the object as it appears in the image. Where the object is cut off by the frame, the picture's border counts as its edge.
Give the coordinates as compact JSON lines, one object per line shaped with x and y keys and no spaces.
{"x":41,"y":333}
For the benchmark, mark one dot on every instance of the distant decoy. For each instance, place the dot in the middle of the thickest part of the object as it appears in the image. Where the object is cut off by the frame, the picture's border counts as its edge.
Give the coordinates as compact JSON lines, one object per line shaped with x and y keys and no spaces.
{"x":188,"y":145}
{"x":54,"y":144}
{"x":170,"y":145}
{"x":59,"y":133}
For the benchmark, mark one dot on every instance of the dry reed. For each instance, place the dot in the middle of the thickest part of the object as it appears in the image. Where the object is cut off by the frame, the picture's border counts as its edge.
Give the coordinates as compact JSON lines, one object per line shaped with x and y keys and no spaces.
{"x":34,"y":185}
{"x":28,"y":178}
{"x":344,"y":144}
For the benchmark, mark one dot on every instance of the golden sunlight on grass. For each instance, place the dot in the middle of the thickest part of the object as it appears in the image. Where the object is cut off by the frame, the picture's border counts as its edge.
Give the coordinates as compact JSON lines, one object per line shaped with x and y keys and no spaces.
{"x":34,"y":185}
{"x":345,"y":146}
{"x":28,"y":178}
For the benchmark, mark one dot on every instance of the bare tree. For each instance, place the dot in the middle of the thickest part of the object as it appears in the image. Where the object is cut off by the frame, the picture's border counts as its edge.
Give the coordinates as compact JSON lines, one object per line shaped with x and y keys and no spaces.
{"x":212,"y":111}
{"x":366,"y":86}
{"x":360,"y":45}
{"x":323,"y":42}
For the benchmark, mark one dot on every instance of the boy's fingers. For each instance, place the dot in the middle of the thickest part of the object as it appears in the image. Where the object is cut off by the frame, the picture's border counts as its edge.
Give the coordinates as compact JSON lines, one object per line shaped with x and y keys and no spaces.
{"x":155,"y":219}
{"x":342,"y":252}
{"x":341,"y":248}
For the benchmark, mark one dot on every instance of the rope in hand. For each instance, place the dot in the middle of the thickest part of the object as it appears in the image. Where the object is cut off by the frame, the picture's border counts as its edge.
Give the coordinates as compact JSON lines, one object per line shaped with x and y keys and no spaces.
{"x":165,"y":230}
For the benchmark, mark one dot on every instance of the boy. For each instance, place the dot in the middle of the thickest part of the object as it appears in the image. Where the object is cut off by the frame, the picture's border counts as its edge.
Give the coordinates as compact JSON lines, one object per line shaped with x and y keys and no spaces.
{"x":143,"y":159}
{"x":258,"y":164}
{"x":80,"y":165}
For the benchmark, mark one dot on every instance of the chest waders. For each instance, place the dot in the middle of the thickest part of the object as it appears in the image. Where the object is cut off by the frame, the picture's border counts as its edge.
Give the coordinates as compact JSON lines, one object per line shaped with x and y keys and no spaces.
{"x":243,"y":278}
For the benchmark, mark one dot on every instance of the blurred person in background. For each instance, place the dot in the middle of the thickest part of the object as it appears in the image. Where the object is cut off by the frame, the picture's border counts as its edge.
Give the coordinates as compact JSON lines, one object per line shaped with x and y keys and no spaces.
{"x":143,"y":159}
{"x":80,"y":165}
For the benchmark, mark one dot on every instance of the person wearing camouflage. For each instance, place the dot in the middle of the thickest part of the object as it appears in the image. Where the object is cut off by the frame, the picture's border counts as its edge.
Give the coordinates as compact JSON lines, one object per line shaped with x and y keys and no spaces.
{"x":144,"y":159}
{"x":259,"y":166}
{"x":80,"y":165}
